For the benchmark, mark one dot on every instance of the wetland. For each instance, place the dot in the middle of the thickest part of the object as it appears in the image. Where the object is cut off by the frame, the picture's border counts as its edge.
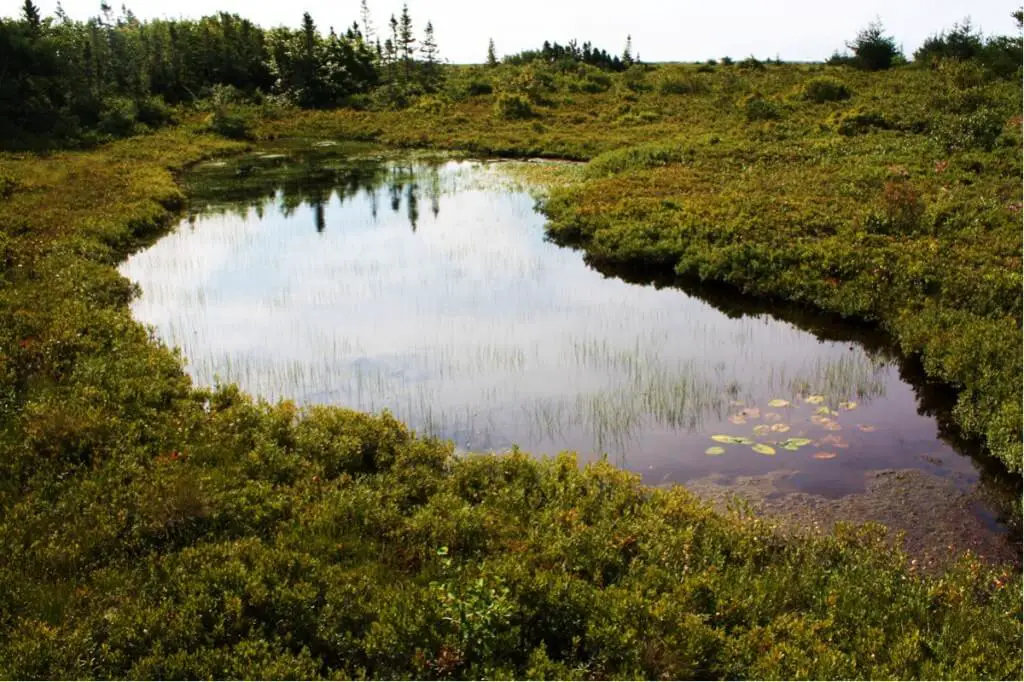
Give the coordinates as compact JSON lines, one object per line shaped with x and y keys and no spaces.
{"x":425,"y":285}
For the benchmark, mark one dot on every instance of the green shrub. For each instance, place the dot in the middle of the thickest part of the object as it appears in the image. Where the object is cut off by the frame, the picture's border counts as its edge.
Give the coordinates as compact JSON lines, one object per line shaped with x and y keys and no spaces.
{"x":752,"y":63}
{"x":757,"y":108}
{"x":635,"y":78}
{"x":479,"y":87}
{"x":860,"y":121}
{"x":873,"y":50}
{"x":118,"y":116}
{"x":512,"y":106}
{"x":675,"y":81}
{"x":979,"y":129}
{"x":234,"y":123}
{"x":154,"y":112}
{"x":825,"y":89}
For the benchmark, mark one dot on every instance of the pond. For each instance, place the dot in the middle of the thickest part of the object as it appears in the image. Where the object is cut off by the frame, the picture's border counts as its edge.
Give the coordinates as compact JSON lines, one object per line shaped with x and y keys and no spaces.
{"x":425,"y":286}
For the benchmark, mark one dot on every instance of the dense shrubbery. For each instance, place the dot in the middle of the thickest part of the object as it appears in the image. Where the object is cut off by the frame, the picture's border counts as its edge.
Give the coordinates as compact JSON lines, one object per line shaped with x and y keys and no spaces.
{"x":151,"y":530}
{"x":825,"y":89}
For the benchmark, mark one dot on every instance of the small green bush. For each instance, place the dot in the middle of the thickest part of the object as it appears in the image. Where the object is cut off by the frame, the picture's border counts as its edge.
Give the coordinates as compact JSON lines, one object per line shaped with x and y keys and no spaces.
{"x":153,"y":112}
{"x":681,"y":82}
{"x":825,"y":89}
{"x":512,"y":106}
{"x":479,"y":87}
{"x":118,"y":117}
{"x":859,"y":121}
{"x":233,"y":123}
{"x":752,"y":63}
{"x":757,"y":108}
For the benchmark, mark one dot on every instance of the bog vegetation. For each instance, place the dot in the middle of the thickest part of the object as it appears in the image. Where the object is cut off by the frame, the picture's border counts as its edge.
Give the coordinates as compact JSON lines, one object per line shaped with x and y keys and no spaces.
{"x":151,"y":529}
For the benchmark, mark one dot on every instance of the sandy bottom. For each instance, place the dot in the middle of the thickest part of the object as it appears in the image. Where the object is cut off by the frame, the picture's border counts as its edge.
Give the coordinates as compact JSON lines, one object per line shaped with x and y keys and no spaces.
{"x":939,"y":520}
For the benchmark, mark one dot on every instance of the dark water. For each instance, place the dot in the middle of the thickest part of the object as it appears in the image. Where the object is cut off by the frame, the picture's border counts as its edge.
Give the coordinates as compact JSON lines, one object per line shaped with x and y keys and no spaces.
{"x":427,"y":288}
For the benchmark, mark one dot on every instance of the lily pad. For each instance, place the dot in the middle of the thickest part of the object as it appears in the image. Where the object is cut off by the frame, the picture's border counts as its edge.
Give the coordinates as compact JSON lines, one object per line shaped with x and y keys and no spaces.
{"x":778,"y":402}
{"x":737,"y":419}
{"x":752,"y":413}
{"x":780,"y":428}
{"x":850,"y":405}
{"x":762,"y":430}
{"x":795,"y":443}
{"x":825,"y":455}
{"x":763,"y":449}
{"x":820,"y":419}
{"x":827,"y":411}
{"x":867,"y":428}
{"x":814,"y":399}
{"x":714,"y":451}
{"x":732,"y":440}
{"x":835,"y":441}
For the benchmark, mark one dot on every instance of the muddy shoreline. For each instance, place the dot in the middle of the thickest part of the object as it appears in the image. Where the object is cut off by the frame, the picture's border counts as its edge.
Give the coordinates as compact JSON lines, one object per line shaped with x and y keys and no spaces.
{"x":934,"y":520}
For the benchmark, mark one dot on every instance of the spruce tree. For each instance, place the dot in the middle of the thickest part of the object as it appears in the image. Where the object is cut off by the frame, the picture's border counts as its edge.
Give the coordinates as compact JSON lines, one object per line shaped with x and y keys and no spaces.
{"x":364,"y":14}
{"x":406,"y":42}
{"x":492,"y":57}
{"x":30,"y":13}
{"x":430,"y":59}
{"x":627,"y":54}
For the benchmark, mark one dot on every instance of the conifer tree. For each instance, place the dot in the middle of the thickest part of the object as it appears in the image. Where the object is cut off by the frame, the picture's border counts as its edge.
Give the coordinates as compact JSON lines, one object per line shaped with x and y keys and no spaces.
{"x":431,"y":67}
{"x":492,"y":57}
{"x":406,"y":43}
{"x":31,"y":15}
{"x":367,"y":22}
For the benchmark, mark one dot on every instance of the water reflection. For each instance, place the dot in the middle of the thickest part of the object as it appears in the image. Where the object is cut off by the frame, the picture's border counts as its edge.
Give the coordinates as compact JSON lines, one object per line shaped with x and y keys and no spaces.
{"x":468,"y":325}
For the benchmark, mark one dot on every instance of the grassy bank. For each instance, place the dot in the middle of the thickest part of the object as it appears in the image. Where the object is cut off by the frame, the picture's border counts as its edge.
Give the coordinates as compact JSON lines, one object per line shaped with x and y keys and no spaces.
{"x":149,"y":529}
{"x":891,"y":197}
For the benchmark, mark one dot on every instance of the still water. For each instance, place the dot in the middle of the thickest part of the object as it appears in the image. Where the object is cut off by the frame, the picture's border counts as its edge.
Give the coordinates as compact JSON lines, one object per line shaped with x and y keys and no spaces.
{"x":426,"y":287}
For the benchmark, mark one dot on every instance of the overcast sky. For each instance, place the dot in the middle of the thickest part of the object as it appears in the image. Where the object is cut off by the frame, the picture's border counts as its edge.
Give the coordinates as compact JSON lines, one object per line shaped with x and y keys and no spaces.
{"x":662,"y":30}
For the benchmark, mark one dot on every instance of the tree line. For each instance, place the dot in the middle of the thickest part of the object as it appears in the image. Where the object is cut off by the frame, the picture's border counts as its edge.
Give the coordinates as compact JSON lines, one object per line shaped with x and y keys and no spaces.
{"x":60,"y":77}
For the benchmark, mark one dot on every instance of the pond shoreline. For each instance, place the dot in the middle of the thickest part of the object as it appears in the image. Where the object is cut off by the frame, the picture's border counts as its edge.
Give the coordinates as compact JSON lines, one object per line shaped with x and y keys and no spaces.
{"x":723,"y":296}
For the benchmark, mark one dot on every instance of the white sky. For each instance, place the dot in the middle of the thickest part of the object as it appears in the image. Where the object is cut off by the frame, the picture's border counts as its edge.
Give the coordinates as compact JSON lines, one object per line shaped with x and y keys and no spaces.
{"x":662,"y":30}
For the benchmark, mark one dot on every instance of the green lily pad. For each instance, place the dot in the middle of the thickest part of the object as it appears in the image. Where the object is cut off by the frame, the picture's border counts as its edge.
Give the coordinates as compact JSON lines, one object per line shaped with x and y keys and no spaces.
{"x":827,"y":411}
{"x":762,"y":430}
{"x":814,"y":399}
{"x":763,"y":449}
{"x":850,"y":405}
{"x":795,"y":443}
{"x":780,"y":428}
{"x":715,"y":450}
{"x":732,"y":440}
{"x":778,"y":402}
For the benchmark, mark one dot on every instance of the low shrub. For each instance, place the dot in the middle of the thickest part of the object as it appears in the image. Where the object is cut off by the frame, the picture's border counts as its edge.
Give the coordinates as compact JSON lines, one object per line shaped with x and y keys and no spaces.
{"x":479,"y":87}
{"x":757,"y":108}
{"x":512,"y":106}
{"x":681,"y":82}
{"x":117,"y":117}
{"x":860,"y":121}
{"x":825,"y":89}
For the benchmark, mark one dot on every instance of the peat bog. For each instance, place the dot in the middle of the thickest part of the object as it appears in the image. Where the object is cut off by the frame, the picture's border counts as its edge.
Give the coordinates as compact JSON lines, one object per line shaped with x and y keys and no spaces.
{"x":424,"y":285}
